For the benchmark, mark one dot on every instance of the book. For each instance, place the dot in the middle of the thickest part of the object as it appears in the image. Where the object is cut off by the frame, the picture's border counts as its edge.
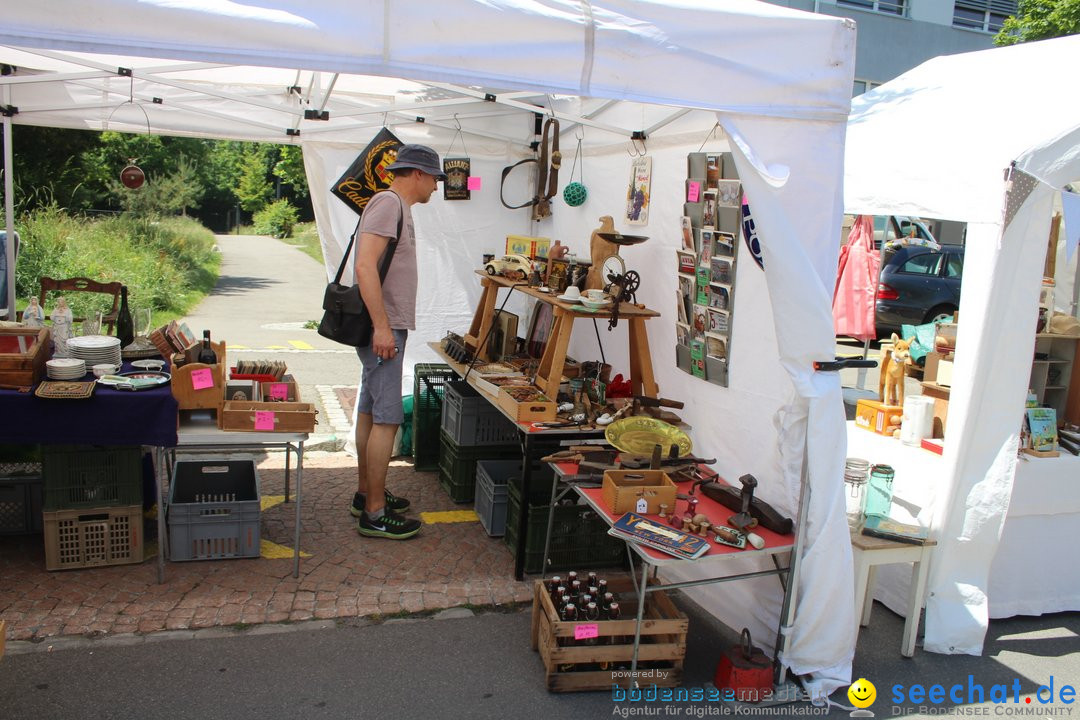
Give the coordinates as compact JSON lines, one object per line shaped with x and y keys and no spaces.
{"x":652,"y":533}
{"x":1042,"y":428}
{"x":889,"y":529}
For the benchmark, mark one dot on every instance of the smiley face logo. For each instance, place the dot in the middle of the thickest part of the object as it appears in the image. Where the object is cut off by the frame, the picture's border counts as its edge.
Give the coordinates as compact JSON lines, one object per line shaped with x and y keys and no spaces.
{"x":862,"y":693}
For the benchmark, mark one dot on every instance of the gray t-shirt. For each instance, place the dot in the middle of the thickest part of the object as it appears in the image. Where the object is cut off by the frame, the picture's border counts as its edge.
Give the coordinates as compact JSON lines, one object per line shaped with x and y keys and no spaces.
{"x":399,"y":287}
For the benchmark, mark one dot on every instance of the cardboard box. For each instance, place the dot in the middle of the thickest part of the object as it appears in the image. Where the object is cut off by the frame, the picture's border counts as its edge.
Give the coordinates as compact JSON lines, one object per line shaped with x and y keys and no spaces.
{"x":945,"y":373}
{"x":532,"y":247}
{"x":623,"y":488}
{"x":930,"y":369}
{"x":876,"y":416}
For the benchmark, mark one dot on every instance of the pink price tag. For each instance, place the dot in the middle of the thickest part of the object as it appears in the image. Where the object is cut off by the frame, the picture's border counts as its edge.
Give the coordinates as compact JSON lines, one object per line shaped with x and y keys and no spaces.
{"x":693,"y":192}
{"x":264,"y":419}
{"x":584,"y":632}
{"x":202,"y":379}
{"x":473,"y":182}
{"x":279,"y":391}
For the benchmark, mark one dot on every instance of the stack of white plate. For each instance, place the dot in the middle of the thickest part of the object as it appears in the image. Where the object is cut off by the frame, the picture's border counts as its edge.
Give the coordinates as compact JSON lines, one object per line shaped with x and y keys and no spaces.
{"x":95,"y":349}
{"x":65,"y":369}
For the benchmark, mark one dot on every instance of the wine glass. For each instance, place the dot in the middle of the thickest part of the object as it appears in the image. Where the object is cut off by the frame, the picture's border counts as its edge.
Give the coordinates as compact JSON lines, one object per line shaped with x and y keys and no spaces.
{"x":141,"y":319}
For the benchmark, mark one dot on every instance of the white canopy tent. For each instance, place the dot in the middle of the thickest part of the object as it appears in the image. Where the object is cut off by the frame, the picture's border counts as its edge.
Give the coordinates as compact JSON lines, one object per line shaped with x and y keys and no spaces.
{"x":938,"y":142}
{"x":778,"y":80}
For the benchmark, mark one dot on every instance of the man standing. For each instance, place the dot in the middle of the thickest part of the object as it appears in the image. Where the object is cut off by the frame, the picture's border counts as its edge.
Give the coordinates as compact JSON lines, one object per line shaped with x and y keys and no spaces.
{"x":392,"y":305}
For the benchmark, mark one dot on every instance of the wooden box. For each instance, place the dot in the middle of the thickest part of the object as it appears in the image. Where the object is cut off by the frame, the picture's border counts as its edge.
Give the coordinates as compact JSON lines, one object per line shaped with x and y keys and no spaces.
{"x":573,"y":665}
{"x":623,"y":488}
{"x":539,"y":409}
{"x":23,"y":353}
{"x":245,"y":416}
{"x":877,"y":416}
{"x":187,"y":376}
{"x":284,"y":390}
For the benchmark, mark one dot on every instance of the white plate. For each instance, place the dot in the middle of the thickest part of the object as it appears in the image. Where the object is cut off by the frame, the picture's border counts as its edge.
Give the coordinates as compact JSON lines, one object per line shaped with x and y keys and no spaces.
{"x":65,"y":363}
{"x":567,"y":298}
{"x":142,"y":378}
{"x":94,"y":342}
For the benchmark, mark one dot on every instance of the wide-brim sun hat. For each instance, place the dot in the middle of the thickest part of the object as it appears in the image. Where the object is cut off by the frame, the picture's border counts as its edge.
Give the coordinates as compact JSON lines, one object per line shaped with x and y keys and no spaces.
{"x":420,"y":157}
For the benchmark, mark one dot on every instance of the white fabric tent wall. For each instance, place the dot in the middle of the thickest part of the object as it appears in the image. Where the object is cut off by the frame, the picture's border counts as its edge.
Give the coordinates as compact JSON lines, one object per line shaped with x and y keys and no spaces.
{"x":780,"y":79}
{"x":937,"y":142}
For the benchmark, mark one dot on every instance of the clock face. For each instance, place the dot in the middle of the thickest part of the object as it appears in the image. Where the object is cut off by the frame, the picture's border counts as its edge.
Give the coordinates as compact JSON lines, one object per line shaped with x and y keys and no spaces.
{"x":613,"y":265}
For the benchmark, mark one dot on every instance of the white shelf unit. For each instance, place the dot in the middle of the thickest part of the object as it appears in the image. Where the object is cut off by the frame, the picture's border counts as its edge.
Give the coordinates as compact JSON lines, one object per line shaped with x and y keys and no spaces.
{"x":1052,"y":370}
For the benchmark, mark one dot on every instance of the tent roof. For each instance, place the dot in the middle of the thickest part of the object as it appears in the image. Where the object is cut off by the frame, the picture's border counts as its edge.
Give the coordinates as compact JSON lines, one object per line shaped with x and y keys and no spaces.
{"x":248,"y":72}
{"x":953,"y":125}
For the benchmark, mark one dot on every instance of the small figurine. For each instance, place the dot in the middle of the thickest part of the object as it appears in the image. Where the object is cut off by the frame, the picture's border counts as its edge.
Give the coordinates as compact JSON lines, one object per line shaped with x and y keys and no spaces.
{"x":61,"y":328}
{"x":34,"y":314}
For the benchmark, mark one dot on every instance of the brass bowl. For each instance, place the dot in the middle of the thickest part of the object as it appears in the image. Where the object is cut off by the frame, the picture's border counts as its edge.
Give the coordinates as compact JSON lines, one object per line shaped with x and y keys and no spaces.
{"x":639,"y":435}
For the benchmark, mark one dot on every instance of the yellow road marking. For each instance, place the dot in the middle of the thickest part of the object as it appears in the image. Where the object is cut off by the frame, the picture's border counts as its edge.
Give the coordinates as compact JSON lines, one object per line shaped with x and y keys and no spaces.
{"x":449,"y":516}
{"x":301,"y":345}
{"x":273,"y":551}
{"x":276,"y":347}
{"x":269,"y":501}
{"x":238,"y":347}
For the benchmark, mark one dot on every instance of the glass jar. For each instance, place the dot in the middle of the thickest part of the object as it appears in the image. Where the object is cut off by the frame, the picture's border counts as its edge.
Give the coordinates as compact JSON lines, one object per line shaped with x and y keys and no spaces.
{"x":879,"y":494}
{"x":855,"y":482}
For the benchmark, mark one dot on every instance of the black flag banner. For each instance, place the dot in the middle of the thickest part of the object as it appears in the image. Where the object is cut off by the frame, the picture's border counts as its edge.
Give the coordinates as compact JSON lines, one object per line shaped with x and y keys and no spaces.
{"x":368,"y":174}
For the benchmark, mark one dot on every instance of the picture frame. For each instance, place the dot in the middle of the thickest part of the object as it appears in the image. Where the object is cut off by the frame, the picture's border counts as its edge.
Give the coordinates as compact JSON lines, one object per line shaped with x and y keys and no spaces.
{"x":541,"y":318}
{"x":638,"y":191}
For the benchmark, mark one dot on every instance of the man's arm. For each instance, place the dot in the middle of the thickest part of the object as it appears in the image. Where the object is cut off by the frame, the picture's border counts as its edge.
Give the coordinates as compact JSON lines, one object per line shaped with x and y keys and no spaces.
{"x":367,"y":277}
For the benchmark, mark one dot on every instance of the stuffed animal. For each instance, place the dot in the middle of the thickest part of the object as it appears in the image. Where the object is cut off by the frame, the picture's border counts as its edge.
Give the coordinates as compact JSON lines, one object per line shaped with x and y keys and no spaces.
{"x":893,"y":370}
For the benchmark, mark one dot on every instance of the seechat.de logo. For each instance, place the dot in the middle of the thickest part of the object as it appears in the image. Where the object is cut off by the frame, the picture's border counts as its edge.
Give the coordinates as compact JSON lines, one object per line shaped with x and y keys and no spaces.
{"x":862,"y":695}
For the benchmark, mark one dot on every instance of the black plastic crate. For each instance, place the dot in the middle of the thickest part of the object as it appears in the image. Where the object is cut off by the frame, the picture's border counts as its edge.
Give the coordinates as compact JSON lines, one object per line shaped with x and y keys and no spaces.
{"x":470,"y":419}
{"x":21,"y":493}
{"x":429,"y":384}
{"x":457,"y":465}
{"x":579,"y":537}
{"x":79,"y":477}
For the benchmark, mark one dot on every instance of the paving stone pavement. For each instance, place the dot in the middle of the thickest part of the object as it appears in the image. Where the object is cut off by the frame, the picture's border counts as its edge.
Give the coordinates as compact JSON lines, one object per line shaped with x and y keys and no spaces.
{"x":347,"y":576}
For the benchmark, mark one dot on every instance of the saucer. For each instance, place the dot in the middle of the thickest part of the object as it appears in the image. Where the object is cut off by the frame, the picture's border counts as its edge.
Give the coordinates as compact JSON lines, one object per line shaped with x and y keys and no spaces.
{"x":594,"y":304}
{"x":567,"y":298}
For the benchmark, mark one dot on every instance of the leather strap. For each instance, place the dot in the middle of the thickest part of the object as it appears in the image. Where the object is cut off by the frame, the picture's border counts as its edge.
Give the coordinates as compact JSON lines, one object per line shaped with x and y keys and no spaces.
{"x":549,"y":177}
{"x":388,"y":256}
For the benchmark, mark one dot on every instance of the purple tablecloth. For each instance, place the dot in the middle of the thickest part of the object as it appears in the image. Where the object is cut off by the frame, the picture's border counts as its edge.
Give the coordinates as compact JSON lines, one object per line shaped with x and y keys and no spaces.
{"x":108,"y":417}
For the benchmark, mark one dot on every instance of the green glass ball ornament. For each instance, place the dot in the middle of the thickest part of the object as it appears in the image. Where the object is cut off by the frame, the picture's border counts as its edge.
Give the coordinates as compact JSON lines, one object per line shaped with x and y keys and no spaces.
{"x":574,"y":194}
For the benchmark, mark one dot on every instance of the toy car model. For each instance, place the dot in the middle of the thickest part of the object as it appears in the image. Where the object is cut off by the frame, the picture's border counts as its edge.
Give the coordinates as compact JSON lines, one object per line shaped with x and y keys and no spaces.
{"x":516,"y":266}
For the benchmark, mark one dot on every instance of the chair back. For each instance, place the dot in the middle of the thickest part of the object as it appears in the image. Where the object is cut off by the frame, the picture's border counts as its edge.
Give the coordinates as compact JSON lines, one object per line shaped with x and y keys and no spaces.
{"x":81,"y":284}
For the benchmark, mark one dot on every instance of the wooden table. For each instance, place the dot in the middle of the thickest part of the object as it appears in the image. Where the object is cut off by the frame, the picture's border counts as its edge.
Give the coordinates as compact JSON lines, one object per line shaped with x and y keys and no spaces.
{"x":550,"y":372}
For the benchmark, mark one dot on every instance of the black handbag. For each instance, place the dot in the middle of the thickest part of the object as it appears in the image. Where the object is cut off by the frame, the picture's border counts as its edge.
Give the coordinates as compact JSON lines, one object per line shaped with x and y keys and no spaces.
{"x":345,"y":317}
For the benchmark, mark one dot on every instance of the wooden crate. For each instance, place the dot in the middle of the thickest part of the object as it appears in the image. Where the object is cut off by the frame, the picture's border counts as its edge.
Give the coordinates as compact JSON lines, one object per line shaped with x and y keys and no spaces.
{"x":572,"y":668}
{"x":287,"y":385}
{"x":207,"y":398}
{"x":534,"y":411}
{"x":23,"y":353}
{"x":623,"y":488}
{"x":295,"y":417}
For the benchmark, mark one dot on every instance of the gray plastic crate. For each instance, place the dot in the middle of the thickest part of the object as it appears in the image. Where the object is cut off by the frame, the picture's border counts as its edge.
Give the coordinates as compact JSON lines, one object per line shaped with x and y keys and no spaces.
{"x":21,"y":493}
{"x":214,"y":510}
{"x":491,"y":493}
{"x":470,"y":419}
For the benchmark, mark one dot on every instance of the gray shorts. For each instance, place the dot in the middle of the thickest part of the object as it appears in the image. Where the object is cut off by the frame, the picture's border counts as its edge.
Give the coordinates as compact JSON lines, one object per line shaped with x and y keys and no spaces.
{"x":380,"y":384}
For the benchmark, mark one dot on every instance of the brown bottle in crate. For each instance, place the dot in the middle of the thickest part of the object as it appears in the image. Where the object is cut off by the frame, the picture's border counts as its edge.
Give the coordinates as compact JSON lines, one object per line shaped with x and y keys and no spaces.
{"x":575,"y":591}
{"x":569,"y":614}
{"x":592,"y":614}
{"x":550,"y":584}
{"x":614,"y":612}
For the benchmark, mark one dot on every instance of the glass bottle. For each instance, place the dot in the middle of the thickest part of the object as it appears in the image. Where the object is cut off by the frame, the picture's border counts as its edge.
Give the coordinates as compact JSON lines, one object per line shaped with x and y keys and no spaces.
{"x":125,"y":325}
{"x":855,"y":480}
{"x":879,"y":494}
{"x":206,"y":352}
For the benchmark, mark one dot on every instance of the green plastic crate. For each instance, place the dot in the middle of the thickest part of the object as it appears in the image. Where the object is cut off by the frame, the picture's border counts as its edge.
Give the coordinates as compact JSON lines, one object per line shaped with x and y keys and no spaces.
{"x":579,"y":537}
{"x":79,"y":477}
{"x":429,"y":385}
{"x":457,"y":465}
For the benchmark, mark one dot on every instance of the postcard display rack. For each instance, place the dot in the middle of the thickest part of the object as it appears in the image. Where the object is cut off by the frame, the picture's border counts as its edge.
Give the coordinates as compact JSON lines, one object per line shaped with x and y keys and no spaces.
{"x":712,"y":217}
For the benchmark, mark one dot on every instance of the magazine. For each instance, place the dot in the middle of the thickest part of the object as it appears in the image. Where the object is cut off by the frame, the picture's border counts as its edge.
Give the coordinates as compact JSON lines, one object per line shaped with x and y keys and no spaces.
{"x":654,"y":534}
{"x":1042,"y":428}
{"x":889,"y":529}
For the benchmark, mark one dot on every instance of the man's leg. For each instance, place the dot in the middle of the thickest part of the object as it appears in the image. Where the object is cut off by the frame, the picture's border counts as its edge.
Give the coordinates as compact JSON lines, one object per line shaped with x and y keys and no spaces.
{"x":363,"y":431}
{"x":378,"y":449}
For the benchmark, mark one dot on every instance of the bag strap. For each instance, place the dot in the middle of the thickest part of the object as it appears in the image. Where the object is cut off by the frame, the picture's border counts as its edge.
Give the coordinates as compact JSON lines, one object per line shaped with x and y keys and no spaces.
{"x":502,"y":184}
{"x":384,"y":266}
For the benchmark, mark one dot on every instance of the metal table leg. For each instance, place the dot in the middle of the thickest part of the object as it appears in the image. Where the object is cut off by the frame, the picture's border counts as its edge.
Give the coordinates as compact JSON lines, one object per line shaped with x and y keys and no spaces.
{"x":158,"y":457}
{"x":287,"y":446}
{"x":299,"y":484}
{"x":640,"y":617}
{"x":523,"y":516}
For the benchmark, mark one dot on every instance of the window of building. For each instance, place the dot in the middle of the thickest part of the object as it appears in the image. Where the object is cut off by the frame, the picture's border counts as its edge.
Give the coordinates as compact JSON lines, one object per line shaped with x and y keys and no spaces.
{"x":861,"y":86}
{"x":892,"y":7}
{"x":985,"y":15}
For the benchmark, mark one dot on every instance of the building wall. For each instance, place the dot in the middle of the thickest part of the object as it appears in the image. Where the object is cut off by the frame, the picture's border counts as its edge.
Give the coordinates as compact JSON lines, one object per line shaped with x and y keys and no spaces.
{"x":888,"y":46}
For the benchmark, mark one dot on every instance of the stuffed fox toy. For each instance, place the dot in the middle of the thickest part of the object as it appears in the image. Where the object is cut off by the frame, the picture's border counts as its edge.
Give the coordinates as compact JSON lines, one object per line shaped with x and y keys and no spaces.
{"x":893,"y":370}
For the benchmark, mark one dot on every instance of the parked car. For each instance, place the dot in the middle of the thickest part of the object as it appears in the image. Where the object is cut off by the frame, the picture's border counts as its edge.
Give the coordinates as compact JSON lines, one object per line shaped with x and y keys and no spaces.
{"x":517,"y":266}
{"x":917,"y":285}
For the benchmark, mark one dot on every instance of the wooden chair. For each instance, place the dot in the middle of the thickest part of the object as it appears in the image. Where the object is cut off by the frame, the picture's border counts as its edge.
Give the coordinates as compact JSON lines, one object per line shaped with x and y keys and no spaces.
{"x":81,"y":284}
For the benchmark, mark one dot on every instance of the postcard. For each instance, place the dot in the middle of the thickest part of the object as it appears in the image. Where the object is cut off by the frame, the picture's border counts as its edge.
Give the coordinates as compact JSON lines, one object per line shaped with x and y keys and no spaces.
{"x":729,"y":193}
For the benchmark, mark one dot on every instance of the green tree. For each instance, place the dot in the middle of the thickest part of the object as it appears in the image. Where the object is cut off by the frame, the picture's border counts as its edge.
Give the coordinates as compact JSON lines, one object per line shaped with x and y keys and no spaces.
{"x":163,"y":194}
{"x":290,"y":169}
{"x":1040,"y":20}
{"x":254,"y":188}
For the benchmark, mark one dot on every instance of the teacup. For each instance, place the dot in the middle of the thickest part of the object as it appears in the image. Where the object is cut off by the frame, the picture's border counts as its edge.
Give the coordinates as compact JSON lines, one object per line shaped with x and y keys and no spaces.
{"x":572,"y":293}
{"x":596,"y":295}
{"x":104,"y":369}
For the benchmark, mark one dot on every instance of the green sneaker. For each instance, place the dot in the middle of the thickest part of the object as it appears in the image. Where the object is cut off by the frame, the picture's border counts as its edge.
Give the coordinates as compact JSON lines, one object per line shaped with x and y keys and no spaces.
{"x":390,"y":525}
{"x":393,"y":503}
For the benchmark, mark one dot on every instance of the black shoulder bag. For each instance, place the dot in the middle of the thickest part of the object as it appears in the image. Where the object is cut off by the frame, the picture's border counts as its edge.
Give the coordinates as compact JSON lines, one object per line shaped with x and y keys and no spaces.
{"x":345,"y":317}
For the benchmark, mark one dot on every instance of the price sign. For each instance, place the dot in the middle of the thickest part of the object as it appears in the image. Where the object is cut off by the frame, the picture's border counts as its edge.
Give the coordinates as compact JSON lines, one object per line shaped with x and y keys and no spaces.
{"x":264,"y":419}
{"x":279,"y":391}
{"x":584,"y":632}
{"x":642,"y":505}
{"x":473,"y":183}
{"x":202,"y":379}
{"x":693,"y":191}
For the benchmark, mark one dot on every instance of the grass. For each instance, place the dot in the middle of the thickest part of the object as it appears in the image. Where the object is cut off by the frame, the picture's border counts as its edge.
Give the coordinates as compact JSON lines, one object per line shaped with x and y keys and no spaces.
{"x":168,"y":264}
{"x":306,"y":238}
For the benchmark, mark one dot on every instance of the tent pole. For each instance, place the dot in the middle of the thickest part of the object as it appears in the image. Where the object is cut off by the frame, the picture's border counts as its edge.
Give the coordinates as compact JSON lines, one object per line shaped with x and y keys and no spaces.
{"x":9,"y":209}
